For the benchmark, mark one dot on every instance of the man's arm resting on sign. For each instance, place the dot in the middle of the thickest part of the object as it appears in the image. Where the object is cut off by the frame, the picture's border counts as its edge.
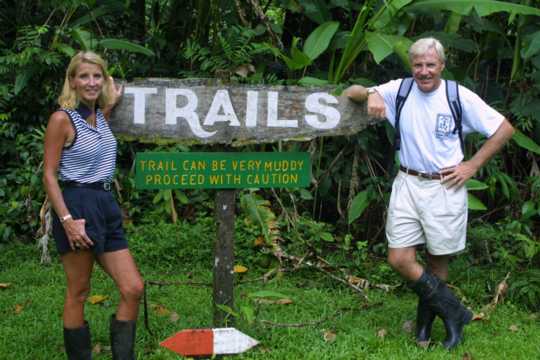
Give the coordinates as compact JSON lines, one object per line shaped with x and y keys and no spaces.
{"x":356,"y":93}
{"x":375,"y":102}
{"x":458,"y":175}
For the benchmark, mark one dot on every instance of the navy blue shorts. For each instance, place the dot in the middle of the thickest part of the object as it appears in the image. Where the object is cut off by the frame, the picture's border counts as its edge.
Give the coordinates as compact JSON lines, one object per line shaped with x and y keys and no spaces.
{"x":103,"y":220}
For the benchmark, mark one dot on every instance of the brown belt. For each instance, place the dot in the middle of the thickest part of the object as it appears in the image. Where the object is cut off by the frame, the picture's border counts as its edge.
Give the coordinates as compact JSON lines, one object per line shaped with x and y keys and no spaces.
{"x":432,"y":176}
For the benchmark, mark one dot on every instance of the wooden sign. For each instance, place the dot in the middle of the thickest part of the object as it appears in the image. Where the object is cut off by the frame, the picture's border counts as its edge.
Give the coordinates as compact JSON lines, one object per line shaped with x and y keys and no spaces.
{"x":208,"y":170}
{"x":204,"y":112}
{"x":207,"y":342}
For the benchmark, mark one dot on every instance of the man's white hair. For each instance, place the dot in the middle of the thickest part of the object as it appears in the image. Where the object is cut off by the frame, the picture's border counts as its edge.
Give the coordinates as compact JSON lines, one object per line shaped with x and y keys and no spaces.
{"x":421,"y":46}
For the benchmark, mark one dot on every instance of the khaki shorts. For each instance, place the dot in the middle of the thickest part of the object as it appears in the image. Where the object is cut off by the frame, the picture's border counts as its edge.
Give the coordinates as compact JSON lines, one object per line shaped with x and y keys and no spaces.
{"x":423,"y":211}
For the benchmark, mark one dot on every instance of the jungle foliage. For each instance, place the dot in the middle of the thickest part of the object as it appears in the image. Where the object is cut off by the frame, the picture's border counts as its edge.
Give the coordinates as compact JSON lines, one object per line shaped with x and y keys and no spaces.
{"x":493,"y":48}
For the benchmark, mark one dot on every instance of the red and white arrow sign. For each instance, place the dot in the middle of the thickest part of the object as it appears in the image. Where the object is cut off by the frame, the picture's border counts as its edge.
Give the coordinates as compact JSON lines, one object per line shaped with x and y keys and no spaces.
{"x":201,"y":342}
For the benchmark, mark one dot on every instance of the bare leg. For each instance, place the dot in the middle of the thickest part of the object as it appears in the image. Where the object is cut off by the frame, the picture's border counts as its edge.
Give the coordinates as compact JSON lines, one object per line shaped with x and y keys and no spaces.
{"x":438,"y":265}
{"x":78,"y":269}
{"x":403,"y":260}
{"x":121,"y":267}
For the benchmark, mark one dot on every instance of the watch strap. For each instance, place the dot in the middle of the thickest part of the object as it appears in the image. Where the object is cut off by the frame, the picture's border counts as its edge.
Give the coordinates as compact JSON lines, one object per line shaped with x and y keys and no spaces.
{"x":65,"y":218}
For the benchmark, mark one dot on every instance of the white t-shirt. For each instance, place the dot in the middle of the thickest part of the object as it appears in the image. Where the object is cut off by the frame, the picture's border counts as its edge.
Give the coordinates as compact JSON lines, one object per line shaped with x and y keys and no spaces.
{"x":428,"y":143}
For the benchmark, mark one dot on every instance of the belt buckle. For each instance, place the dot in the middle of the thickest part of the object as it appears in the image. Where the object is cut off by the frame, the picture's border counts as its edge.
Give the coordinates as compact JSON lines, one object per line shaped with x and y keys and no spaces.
{"x":107,"y":186}
{"x":429,"y":176}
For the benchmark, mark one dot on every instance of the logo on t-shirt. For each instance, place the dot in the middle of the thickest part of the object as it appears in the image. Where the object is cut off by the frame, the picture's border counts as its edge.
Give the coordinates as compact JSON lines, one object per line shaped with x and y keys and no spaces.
{"x":444,"y":125}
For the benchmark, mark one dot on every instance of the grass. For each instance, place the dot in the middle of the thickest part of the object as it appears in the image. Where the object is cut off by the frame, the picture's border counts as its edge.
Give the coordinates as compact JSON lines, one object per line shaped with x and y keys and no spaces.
{"x":31,"y":311}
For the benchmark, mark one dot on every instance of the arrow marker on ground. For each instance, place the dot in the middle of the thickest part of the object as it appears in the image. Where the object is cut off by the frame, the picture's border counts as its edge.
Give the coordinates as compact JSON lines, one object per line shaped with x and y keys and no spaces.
{"x":204,"y":342}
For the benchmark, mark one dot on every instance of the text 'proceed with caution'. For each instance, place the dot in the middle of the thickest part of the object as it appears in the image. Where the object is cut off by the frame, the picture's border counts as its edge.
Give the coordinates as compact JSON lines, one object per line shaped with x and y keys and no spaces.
{"x":164,"y":170}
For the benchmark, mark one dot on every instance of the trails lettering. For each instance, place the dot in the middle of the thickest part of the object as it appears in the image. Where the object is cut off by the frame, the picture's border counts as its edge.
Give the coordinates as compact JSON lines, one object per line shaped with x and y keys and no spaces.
{"x":183,"y":105}
{"x":200,"y":112}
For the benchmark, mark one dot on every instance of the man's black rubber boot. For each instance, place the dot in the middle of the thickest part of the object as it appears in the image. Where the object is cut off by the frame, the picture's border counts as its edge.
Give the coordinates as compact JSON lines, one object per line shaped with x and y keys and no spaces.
{"x":77,"y":343}
{"x":123,"y":339}
{"x":424,"y":321}
{"x":455,"y":316}
{"x":425,"y":287}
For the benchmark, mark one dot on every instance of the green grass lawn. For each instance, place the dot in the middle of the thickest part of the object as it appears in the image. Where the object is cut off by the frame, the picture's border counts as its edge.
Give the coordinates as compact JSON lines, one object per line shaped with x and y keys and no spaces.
{"x":31,"y":312}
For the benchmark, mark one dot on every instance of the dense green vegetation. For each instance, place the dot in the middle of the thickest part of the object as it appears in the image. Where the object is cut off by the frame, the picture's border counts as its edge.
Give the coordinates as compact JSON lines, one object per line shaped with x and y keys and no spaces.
{"x":493,"y":48}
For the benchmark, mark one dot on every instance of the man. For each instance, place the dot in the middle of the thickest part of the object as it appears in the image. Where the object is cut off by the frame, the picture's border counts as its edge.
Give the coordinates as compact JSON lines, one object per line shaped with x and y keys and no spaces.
{"x":428,"y":205}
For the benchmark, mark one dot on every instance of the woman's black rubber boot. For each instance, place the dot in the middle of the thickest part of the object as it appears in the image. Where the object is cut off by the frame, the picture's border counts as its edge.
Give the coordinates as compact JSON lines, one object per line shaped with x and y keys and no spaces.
{"x":123,"y":339}
{"x":77,"y":343}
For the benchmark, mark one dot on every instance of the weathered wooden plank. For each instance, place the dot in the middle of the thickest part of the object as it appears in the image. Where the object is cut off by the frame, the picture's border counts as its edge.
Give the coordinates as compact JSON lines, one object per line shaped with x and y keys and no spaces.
{"x":202,"y":111}
{"x":224,"y":256}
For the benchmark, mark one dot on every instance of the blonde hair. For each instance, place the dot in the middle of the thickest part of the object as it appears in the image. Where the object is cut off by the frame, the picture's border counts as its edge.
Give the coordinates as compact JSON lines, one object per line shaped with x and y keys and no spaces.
{"x":421,"y":46}
{"x":68,"y":98}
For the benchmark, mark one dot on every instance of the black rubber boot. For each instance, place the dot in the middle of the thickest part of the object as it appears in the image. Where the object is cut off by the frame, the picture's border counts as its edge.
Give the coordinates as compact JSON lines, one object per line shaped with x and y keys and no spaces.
{"x":77,"y":343}
{"x":123,"y":339}
{"x":425,"y":288}
{"x":455,"y":316}
{"x":424,"y":321}
{"x":444,"y":304}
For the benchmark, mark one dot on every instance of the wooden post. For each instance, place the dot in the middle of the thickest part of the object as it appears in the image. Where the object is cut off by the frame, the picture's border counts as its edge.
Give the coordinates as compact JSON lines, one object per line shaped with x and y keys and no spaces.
{"x":224,"y":256}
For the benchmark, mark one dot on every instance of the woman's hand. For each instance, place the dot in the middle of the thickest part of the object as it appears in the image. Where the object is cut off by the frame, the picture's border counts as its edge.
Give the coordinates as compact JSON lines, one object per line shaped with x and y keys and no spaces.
{"x":76,"y":234}
{"x":116,"y":94}
{"x":116,"y":91}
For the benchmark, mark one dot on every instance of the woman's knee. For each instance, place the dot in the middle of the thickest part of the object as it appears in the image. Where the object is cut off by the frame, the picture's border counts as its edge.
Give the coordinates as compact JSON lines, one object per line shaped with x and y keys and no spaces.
{"x":133,"y":290}
{"x":78,"y":294}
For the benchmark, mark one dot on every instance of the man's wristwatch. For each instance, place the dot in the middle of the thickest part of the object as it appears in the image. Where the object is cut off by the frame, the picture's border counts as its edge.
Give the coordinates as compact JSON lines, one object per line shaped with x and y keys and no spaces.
{"x":65,"y":218}
{"x":371,"y":91}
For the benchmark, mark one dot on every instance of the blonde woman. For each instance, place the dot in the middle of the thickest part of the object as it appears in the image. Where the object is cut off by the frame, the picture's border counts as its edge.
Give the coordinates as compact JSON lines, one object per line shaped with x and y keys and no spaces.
{"x":79,"y":165}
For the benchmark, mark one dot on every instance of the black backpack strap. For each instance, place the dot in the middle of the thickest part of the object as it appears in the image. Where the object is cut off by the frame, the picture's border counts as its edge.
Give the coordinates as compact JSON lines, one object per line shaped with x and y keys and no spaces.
{"x":403,"y":92}
{"x":452,"y":95}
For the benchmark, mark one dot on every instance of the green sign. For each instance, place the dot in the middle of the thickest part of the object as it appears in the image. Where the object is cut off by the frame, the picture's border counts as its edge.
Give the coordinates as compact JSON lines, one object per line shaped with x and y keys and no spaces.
{"x":210,"y":170}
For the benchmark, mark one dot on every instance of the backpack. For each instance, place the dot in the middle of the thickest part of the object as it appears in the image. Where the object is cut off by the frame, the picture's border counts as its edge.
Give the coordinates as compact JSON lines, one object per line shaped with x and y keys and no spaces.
{"x":452,"y":95}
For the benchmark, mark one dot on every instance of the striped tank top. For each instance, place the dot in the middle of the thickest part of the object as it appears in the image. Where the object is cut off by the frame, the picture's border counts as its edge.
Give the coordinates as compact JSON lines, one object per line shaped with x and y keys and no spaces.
{"x":91,"y":157}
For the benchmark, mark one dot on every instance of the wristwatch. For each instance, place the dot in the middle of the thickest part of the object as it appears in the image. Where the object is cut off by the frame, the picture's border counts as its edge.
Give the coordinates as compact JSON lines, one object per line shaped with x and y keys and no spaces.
{"x":65,"y":218}
{"x":371,"y":91}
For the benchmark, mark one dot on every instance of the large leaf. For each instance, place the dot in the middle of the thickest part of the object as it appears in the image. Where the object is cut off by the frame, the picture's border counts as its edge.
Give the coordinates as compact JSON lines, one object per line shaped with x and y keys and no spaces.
{"x":118,"y":44}
{"x":528,"y":209}
{"x":526,"y":142}
{"x":249,"y":203}
{"x":316,"y":10}
{"x":475,"y":203}
{"x":355,"y":44}
{"x":318,"y":41}
{"x":388,"y":13}
{"x":85,"y":39}
{"x":473,"y":184}
{"x":534,"y":46}
{"x":22,"y":80}
{"x":359,"y":204}
{"x":298,"y":59}
{"x":97,"y":13}
{"x":482,"y":7}
{"x":311,"y":81}
{"x":453,"y":22}
{"x":66,"y":50}
{"x":382,"y":45}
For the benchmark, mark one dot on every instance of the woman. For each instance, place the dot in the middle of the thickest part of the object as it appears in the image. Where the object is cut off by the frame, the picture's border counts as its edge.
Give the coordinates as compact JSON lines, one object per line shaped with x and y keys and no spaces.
{"x":87,"y":225}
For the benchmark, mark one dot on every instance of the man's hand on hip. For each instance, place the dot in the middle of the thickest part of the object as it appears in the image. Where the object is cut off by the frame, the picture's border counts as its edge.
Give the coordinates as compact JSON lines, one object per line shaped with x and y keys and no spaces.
{"x":457,"y":176}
